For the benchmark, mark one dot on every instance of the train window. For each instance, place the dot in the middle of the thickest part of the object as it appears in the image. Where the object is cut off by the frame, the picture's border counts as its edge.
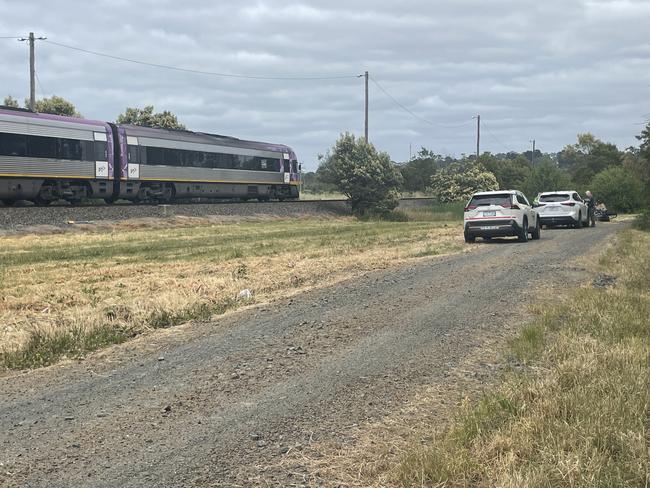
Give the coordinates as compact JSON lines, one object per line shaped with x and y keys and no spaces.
{"x":69,"y":149}
{"x":199,"y":159}
{"x":227,"y":161}
{"x":133,"y":153}
{"x":13,"y":144}
{"x":154,"y":155}
{"x":211,"y":160}
{"x":41,"y":147}
{"x":100,"y":151}
{"x":172,"y":157}
{"x":244,"y":162}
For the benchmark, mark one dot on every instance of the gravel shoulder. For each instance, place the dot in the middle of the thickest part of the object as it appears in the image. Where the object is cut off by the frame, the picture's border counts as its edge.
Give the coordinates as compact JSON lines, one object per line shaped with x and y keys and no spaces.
{"x":220,"y":404}
{"x":53,"y":218}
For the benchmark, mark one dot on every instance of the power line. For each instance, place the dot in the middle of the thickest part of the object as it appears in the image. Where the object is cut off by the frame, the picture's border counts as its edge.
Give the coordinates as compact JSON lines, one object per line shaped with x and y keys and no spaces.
{"x":38,"y":80}
{"x":496,"y":139}
{"x":10,"y":37}
{"x":409,"y":111}
{"x":201,"y":72}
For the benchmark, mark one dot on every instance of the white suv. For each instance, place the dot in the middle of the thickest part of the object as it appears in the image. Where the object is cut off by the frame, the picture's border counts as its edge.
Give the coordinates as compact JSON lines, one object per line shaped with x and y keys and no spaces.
{"x":498,"y":214}
{"x":562,"y":208}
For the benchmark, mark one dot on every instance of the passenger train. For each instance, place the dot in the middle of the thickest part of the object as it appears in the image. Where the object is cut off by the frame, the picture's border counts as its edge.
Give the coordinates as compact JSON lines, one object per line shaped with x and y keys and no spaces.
{"x":48,"y":157}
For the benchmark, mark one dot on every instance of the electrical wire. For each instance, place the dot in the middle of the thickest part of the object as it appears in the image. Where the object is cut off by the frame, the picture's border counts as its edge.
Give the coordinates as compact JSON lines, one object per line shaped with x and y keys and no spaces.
{"x":413,"y":114}
{"x":496,"y":139}
{"x":201,"y":72}
{"x":38,"y":80}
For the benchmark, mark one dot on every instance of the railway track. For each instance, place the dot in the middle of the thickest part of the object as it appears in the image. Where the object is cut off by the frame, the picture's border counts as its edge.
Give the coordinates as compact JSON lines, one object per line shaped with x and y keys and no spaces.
{"x":20,"y":217}
{"x":188,"y":202}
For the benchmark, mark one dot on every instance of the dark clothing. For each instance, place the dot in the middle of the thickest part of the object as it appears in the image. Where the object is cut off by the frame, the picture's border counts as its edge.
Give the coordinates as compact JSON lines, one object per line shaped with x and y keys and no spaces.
{"x":591,"y":207}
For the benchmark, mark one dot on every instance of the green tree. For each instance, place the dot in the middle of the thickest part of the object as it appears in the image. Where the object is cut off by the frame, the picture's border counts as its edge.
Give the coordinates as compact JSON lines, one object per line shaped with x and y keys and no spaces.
{"x":147,"y":118}
{"x":366,"y":176}
{"x":588,"y":157}
{"x":511,"y":171}
{"x":619,"y":189}
{"x":546,"y":177}
{"x":418,"y":171}
{"x":55,"y":105}
{"x":644,"y":149}
{"x":459,"y":181}
{"x":641,"y":166}
{"x":10,"y":101}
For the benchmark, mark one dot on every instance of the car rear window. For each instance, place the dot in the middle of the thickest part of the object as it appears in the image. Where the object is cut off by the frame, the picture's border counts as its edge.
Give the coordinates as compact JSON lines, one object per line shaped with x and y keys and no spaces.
{"x":555,"y":197}
{"x":494,"y":199}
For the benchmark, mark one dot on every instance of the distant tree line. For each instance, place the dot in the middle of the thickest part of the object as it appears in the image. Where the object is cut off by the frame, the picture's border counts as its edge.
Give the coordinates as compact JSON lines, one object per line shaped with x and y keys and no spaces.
{"x":621,"y":179}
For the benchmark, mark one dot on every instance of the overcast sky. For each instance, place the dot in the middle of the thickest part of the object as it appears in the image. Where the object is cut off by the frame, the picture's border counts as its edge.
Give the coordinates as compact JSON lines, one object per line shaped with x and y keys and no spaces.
{"x":543,"y":70}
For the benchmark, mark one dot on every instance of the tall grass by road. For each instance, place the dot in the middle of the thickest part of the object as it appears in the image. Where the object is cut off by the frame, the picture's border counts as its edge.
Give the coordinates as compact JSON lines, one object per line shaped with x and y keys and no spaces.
{"x":580,"y":416}
{"x":65,"y":295}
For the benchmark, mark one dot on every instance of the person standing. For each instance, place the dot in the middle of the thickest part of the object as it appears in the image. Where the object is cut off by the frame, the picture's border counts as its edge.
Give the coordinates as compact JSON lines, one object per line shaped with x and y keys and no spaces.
{"x":591,"y":207}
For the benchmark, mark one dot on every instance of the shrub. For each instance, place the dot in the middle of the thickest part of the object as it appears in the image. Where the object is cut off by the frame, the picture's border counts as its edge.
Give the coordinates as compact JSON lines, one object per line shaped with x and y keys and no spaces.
{"x":367,"y":177}
{"x":457,"y":183}
{"x":618,"y":188}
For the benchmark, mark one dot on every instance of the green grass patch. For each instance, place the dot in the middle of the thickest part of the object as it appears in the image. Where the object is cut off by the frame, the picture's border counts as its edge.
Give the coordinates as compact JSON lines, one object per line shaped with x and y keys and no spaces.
{"x":439,"y":212}
{"x":163,"y":318}
{"x":642,"y":222}
{"x":581,"y":416}
{"x":47,"y":347}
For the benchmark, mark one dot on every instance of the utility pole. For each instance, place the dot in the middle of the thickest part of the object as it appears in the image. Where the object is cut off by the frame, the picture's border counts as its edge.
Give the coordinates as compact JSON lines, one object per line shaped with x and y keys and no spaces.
{"x":32,"y":70}
{"x":532,"y":155}
{"x":366,"y":118}
{"x":478,"y":136}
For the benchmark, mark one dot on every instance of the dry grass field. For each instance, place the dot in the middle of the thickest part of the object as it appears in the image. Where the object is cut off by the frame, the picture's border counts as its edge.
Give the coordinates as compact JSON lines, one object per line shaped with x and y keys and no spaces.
{"x":63,"y":295}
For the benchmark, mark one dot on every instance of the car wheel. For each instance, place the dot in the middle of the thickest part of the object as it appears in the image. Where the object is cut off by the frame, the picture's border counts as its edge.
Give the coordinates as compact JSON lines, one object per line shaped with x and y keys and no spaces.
{"x":537,"y":232}
{"x":579,"y":222}
{"x":470,"y":239}
{"x":523,"y":233}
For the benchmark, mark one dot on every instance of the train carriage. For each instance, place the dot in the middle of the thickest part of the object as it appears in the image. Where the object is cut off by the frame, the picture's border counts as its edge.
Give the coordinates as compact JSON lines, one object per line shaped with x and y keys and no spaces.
{"x":171,"y":164}
{"x":47,"y":157}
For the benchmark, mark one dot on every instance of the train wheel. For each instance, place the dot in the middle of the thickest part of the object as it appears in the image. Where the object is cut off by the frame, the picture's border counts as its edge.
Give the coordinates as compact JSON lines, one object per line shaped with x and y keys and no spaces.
{"x":39,"y":200}
{"x":168,"y":194}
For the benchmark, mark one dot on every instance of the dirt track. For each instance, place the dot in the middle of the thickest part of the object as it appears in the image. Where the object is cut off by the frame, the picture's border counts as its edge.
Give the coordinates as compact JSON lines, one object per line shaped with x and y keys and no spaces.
{"x":215,"y":404}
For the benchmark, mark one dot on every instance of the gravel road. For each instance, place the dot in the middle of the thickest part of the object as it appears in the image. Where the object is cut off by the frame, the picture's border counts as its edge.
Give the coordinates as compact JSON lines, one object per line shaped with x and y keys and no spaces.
{"x":216,"y":404}
{"x":17,"y":218}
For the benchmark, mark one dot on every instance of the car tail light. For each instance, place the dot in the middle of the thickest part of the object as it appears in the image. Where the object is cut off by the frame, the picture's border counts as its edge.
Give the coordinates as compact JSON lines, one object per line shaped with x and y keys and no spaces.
{"x":470,"y":207}
{"x":513,"y":206}
{"x":569,"y":204}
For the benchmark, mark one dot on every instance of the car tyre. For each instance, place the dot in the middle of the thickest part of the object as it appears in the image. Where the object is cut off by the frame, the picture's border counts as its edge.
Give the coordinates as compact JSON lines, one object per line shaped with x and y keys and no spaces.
{"x":579,"y":222}
{"x":523,"y":233}
{"x":470,"y":239}
{"x":535,"y":234}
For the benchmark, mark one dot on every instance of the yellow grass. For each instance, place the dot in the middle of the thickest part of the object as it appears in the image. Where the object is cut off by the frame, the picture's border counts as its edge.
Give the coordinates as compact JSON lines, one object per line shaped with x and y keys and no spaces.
{"x":126,"y":281}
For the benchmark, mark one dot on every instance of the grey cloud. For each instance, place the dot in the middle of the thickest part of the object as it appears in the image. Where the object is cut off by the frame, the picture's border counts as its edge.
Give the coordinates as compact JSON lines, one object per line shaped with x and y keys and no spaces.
{"x":543,"y":70}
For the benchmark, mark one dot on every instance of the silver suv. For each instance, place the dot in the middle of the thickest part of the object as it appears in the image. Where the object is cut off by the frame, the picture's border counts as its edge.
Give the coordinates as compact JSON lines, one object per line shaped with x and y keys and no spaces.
{"x":499,"y":214}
